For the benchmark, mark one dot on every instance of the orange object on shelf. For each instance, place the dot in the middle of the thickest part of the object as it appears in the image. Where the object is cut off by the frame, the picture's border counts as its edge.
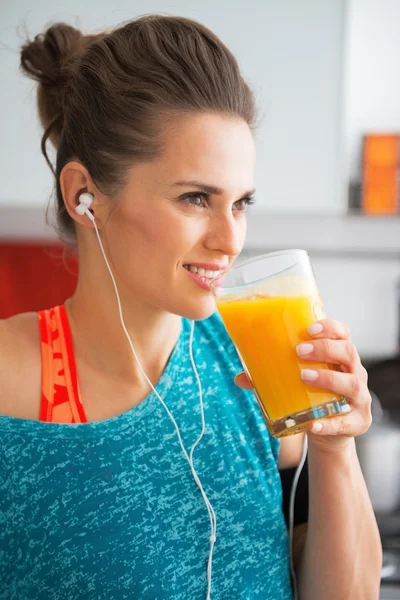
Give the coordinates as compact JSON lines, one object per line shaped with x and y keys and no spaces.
{"x":380,"y":174}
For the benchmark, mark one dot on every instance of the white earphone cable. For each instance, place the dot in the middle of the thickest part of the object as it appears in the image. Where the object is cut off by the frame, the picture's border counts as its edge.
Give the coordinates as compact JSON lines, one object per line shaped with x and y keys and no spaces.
{"x":291,"y":512}
{"x":189,"y":458}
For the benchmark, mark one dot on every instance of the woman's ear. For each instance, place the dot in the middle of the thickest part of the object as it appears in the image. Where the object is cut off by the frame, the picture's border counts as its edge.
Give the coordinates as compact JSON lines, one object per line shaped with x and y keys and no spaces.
{"x":75,"y":180}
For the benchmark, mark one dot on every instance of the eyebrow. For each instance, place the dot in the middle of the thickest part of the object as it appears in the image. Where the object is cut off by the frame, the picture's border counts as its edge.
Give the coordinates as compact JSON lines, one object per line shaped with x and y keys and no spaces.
{"x":208,"y":189}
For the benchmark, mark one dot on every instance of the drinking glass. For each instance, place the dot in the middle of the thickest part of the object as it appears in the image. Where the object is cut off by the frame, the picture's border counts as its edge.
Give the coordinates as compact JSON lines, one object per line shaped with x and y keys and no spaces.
{"x":266,"y":304}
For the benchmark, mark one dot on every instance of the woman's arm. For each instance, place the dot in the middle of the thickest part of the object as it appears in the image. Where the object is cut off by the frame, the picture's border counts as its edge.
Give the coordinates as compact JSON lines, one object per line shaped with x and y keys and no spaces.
{"x":342,"y":555}
{"x":337,"y":554}
{"x":290,"y":451}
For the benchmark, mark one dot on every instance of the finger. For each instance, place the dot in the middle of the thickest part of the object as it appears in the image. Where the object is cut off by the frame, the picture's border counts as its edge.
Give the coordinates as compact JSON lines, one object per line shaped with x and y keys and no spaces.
{"x":351,"y":425}
{"x":344,"y":384}
{"x":328,"y":328}
{"x":341,"y":352}
{"x":342,"y":425}
{"x":243,"y":381}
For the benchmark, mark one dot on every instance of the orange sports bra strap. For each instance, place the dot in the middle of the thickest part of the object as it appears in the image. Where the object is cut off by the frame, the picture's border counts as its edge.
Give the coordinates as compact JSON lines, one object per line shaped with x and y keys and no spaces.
{"x":61,"y":400}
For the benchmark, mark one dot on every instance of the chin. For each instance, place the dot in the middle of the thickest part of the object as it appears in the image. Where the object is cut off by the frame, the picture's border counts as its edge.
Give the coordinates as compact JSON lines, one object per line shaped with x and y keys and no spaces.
{"x":197,"y":311}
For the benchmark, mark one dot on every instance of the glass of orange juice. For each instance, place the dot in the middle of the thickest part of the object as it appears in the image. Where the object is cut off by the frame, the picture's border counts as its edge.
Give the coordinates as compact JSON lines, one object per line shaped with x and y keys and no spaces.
{"x":266,"y":304}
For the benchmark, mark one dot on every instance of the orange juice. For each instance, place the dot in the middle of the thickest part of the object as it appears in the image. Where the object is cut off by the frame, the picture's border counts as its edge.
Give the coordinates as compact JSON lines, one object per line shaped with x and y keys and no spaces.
{"x":266,"y":331}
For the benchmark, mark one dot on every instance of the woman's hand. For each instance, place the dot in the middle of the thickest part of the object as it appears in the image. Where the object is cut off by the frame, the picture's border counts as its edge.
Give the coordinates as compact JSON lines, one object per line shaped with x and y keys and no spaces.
{"x":330,"y":343}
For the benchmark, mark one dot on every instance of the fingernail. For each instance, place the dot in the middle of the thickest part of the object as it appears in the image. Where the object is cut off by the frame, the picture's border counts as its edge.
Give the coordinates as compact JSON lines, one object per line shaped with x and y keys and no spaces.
{"x":316,"y":427}
{"x":304,"y":349}
{"x":315,"y":328}
{"x":309,"y":374}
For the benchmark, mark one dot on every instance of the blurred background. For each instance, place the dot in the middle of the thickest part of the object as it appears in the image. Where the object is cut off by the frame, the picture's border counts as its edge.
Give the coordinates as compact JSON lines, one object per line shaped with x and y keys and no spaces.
{"x":325,"y":73}
{"x":326,"y":77}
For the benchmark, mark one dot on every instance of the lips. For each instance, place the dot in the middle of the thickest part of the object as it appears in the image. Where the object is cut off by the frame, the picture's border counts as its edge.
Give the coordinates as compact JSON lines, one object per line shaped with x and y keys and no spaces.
{"x":203,"y":281}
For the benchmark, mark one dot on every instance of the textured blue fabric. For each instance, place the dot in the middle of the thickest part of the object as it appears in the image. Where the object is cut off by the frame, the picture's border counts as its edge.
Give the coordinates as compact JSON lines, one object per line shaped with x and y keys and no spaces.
{"x":109,"y":510}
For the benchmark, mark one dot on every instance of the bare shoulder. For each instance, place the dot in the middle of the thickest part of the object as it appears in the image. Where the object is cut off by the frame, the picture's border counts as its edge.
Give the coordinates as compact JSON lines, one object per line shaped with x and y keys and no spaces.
{"x":20,"y":366}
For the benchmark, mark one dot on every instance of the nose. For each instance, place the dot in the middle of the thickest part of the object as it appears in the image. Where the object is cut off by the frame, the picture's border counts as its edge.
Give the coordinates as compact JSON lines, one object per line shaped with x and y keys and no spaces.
{"x":226,"y":234}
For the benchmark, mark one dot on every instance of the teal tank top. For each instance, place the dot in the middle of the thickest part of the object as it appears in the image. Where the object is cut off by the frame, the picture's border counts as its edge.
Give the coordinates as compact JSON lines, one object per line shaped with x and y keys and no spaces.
{"x":108,"y":510}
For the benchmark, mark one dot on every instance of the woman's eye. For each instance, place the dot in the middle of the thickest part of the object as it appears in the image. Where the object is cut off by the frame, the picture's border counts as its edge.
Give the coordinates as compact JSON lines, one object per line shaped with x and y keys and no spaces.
{"x":244,"y":203}
{"x":200,"y":200}
{"x":197,"y":200}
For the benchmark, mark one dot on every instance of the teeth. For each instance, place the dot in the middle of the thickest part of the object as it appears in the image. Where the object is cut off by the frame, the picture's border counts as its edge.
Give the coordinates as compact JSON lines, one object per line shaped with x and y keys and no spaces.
{"x":203,"y":272}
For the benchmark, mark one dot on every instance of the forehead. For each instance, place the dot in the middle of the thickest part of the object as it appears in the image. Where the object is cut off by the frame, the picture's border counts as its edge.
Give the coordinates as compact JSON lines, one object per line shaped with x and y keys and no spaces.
{"x":214,"y":149}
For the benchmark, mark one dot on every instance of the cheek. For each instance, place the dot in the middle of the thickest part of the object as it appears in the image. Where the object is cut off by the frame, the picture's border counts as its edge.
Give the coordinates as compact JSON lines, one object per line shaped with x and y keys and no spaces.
{"x":170,"y":238}
{"x":155,"y":236}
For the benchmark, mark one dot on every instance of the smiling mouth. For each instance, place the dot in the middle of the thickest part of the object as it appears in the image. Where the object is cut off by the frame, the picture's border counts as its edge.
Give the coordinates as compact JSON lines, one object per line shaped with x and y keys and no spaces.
{"x":208,"y":274}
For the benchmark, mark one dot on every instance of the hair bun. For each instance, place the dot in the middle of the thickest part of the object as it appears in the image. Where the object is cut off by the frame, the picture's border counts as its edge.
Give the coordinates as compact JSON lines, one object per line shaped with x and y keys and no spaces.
{"x":46,"y":59}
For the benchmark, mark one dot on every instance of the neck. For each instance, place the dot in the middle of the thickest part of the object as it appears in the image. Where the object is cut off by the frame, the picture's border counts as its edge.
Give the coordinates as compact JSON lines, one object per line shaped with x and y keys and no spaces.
{"x":100,"y":342}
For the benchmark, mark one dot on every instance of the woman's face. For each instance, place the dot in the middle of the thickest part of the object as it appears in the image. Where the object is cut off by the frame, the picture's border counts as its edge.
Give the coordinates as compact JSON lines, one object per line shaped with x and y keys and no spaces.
{"x":185,"y":209}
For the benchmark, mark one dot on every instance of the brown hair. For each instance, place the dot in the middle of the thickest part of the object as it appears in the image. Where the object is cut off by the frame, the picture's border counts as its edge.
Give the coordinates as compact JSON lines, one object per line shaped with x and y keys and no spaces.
{"x":102,"y":97}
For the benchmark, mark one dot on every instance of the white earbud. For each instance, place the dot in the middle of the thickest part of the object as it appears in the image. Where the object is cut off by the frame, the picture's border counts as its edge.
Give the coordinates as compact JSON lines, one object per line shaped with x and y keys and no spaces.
{"x":85,"y":202}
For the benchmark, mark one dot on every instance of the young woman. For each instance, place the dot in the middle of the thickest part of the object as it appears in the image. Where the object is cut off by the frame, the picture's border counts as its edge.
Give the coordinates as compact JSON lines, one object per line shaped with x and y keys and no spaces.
{"x":153,"y":128}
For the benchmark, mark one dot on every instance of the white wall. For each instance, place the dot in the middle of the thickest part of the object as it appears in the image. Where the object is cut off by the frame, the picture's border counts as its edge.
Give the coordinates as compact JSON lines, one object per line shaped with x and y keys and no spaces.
{"x":290,"y":51}
{"x":372,"y":73}
{"x":362,"y":292}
